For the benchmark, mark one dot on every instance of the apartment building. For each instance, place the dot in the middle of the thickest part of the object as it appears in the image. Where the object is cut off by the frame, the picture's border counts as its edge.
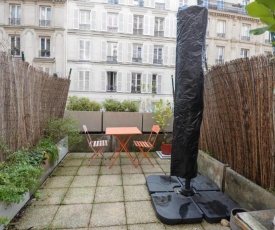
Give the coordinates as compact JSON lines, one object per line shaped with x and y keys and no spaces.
{"x":36,"y":28}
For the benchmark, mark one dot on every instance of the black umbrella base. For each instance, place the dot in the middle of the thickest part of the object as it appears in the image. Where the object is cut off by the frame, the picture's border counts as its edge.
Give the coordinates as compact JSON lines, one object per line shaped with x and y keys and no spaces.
{"x":174,"y":206}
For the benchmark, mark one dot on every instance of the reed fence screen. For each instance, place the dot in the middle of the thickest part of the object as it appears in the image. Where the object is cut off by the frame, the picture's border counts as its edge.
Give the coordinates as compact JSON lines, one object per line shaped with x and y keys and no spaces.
{"x":28,"y":99}
{"x":238,"y":122}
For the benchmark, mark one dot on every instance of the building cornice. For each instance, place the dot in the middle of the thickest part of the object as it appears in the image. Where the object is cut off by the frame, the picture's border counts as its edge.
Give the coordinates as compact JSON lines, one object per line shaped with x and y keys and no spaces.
{"x":229,"y":15}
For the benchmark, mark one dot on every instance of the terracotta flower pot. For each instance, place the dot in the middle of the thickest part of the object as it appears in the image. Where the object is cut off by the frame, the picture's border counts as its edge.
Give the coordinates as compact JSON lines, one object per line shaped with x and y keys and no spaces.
{"x":166,"y":149}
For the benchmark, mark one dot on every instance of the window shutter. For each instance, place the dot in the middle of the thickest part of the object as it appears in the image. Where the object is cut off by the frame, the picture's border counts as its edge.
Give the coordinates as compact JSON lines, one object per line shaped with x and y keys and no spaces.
{"x":150,"y":54}
{"x":91,"y":82}
{"x":145,"y":54}
{"x":87,"y":50}
{"x":103,"y":81}
{"x":119,"y":82}
{"x":174,"y":27}
{"x":165,"y":55}
{"x":120,"y":51}
{"x":131,"y":2}
{"x":149,"y":83}
{"x":159,"y":78}
{"x":121,"y":21}
{"x":151,"y":27}
{"x":144,"y":83}
{"x":167,"y":4}
{"x":87,"y":79}
{"x":130,"y":48}
{"x":146,"y":25}
{"x":173,"y":55}
{"x":121,"y":2}
{"x":130,"y":24}
{"x":93,"y":21}
{"x":81,"y":80}
{"x":74,"y":82}
{"x":104,"y":21}
{"x":167,"y":27}
{"x":103,"y":50}
{"x":81,"y":49}
{"x":128,"y":82}
{"x":152,"y":3}
{"x":146,"y":3}
{"x":76,"y":19}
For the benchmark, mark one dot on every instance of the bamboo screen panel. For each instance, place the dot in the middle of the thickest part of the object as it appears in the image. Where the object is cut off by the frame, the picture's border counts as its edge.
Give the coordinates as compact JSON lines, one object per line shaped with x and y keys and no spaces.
{"x":238,"y":123}
{"x":28,"y":99}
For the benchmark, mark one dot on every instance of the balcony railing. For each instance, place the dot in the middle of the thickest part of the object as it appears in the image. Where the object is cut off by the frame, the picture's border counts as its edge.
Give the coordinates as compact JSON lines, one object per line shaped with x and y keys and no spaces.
{"x":84,"y":26}
{"x":15,"y":21}
{"x":157,"y":61}
{"x":14,"y":51}
{"x":113,"y":1}
{"x":112,"y":29}
{"x":219,"y":61}
{"x":111,"y":88}
{"x":221,"y":35}
{"x":112,"y":59}
{"x":44,"y":53}
{"x":224,"y":6}
{"x":159,"y":33}
{"x":44,"y":22}
{"x":138,"y":31}
{"x":245,"y":38}
{"x":160,"y":6}
{"x":137,"y":60}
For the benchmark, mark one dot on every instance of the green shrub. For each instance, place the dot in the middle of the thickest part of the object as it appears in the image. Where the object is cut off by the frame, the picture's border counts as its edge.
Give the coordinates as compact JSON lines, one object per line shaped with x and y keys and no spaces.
{"x":117,"y":106}
{"x":130,"y":106}
{"x":82,"y":104}
{"x":49,"y":150}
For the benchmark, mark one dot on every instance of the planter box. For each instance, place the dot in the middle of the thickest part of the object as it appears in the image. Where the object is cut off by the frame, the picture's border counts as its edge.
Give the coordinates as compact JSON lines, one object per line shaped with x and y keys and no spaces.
{"x":92,"y":119}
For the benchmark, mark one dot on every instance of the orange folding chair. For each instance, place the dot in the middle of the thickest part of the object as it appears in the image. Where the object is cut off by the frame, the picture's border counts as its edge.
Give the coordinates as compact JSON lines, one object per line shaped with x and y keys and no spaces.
{"x":146,"y":146}
{"x":96,"y":146}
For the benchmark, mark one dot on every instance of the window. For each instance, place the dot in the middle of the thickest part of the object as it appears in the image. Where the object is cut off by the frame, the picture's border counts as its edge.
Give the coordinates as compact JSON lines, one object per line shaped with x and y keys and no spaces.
{"x":137,"y":52}
{"x":138,"y":24}
{"x":221,"y":28}
{"x":220,"y":54}
{"x":84,"y":50}
{"x":111,"y":81}
{"x":113,"y":1}
{"x":220,"y":4}
{"x":158,"y":55}
{"x":84,"y":19}
{"x":245,"y":2}
{"x":139,"y":3}
{"x":15,"y":14}
{"x":84,"y":80}
{"x":267,"y":39}
{"x":45,"y":69}
{"x":183,"y":2}
{"x":112,"y":25}
{"x":160,"y":5}
{"x":112,"y":52}
{"x":45,"y":47}
{"x":207,"y":27}
{"x":244,"y":53}
{"x":45,"y":16}
{"x":136,"y":80}
{"x":245,"y":32}
{"x":15,"y":45}
{"x":159,"y":27}
{"x":156,"y":83}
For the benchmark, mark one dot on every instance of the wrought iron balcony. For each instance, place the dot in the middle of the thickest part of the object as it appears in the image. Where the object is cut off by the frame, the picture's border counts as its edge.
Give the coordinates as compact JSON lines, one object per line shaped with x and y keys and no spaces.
{"x":112,"y":29}
{"x":245,"y":38}
{"x":157,"y":61}
{"x":14,"y":51}
{"x":159,"y":33}
{"x":44,"y":53}
{"x":219,"y":61}
{"x":84,"y":26}
{"x":15,"y":21}
{"x":44,"y":22}
{"x":221,"y":35}
{"x":111,"y":88}
{"x":112,"y":59}
{"x":138,"y":31}
{"x":160,"y":6}
{"x":137,"y":60}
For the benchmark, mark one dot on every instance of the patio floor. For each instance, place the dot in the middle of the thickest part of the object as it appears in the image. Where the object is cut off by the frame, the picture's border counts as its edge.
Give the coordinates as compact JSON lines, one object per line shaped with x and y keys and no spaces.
{"x":77,"y":196}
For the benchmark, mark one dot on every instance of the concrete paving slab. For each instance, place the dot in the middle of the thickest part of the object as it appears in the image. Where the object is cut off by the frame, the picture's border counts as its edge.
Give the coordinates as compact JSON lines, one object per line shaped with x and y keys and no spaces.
{"x":65,"y":171}
{"x":88,"y":170}
{"x":130,"y":169}
{"x":37,"y":217}
{"x":72,"y":162}
{"x":95,"y":162}
{"x":109,"y":180}
{"x":153,"y":226}
{"x":76,"y":155}
{"x":72,"y":216}
{"x":84,"y":181}
{"x":109,"y":194}
{"x":105,"y":170}
{"x":125,"y":161}
{"x":108,"y":214}
{"x":133,"y":179}
{"x":136,"y":192}
{"x":51,"y":196}
{"x":146,"y":162}
{"x":184,"y":227}
{"x":163,"y":161}
{"x":80,"y":195}
{"x":118,"y":227}
{"x":151,"y":169}
{"x":218,"y":226}
{"x":140,"y":212}
{"x":165,"y":168}
{"x":59,"y":182}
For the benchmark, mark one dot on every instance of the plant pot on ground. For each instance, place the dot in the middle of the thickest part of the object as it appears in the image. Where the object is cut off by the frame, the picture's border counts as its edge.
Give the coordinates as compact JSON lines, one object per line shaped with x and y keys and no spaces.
{"x":162,"y":114}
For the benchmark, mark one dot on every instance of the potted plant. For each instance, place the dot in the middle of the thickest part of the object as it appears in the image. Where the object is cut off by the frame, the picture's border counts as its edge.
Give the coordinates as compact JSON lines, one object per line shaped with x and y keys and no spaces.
{"x":162,"y":115}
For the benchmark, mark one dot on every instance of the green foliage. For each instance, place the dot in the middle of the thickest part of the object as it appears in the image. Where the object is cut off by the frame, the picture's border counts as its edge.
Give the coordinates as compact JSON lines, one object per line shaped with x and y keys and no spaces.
{"x":265,"y":11}
{"x":130,"y":106}
{"x":117,"y":106}
{"x":162,"y":114}
{"x":4,"y":219}
{"x":48,"y":148}
{"x":82,"y":104}
{"x":59,"y":128}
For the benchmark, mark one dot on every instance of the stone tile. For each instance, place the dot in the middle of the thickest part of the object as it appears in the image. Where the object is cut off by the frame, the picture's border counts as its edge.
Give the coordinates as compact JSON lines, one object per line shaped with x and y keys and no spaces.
{"x":72,"y":216}
{"x":146,"y":162}
{"x":76,"y":155}
{"x":218,"y":226}
{"x":163,"y":161}
{"x":109,"y":180}
{"x":118,"y":227}
{"x":109,"y":194}
{"x":130,"y":169}
{"x":166,"y":168}
{"x":37,"y":217}
{"x":51,"y":196}
{"x":151,"y":169}
{"x":153,"y":226}
{"x":80,"y":195}
{"x":72,"y":162}
{"x":84,"y":181}
{"x":105,"y":170}
{"x":136,"y":192}
{"x":88,"y":170}
{"x":108,"y":214}
{"x":139,"y":212}
{"x":149,"y":174}
{"x":95,"y":162}
{"x":59,"y":182}
{"x":133,"y":179}
{"x":126,"y":161}
{"x":65,"y":171}
{"x":184,"y":227}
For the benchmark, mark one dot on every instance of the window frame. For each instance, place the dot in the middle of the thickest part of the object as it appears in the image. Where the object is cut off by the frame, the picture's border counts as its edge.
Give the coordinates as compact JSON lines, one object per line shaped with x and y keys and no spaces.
{"x":136,"y":83}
